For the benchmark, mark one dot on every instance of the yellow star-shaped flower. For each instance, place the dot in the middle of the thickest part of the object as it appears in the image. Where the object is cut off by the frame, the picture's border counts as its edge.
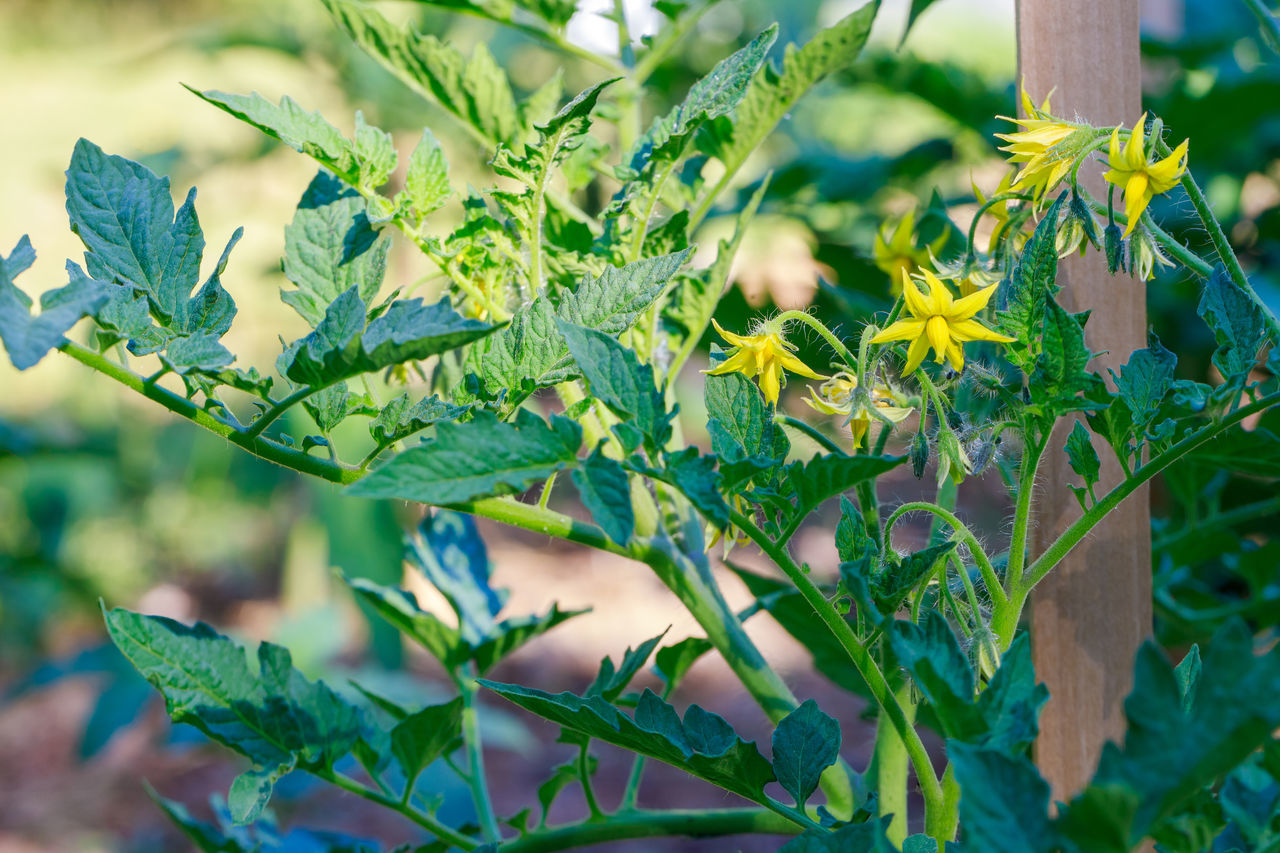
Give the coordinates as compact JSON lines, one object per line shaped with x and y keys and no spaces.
{"x":895,"y":249}
{"x":939,"y":321}
{"x":765,"y":355}
{"x":1044,"y":147}
{"x":838,"y":396}
{"x":1141,"y":180}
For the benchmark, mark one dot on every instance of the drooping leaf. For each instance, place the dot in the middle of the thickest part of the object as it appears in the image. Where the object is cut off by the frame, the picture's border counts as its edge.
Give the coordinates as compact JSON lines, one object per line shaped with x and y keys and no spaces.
{"x":28,"y":338}
{"x":805,"y":743}
{"x":1081,"y":455}
{"x":618,"y":379}
{"x":1145,"y":380}
{"x":484,"y":457}
{"x":344,"y":345}
{"x":330,"y":247}
{"x":702,"y":744}
{"x":606,"y":493}
{"x":275,"y":717}
{"x":1237,"y":324}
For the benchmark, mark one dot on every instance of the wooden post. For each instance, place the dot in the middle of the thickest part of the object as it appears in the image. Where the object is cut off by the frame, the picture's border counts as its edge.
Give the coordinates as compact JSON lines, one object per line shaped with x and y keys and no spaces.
{"x":1090,"y":615}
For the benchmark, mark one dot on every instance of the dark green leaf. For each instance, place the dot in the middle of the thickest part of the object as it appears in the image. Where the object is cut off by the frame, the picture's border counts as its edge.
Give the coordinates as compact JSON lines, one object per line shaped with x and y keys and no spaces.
{"x":610,"y":682}
{"x":1188,"y":674}
{"x":940,"y":670}
{"x":1060,"y":369}
{"x":606,"y":493}
{"x":400,"y":608}
{"x":449,"y":552}
{"x":743,"y":432}
{"x":703,"y":744}
{"x":825,"y":476}
{"x":421,"y":738}
{"x":1081,"y":455}
{"x":852,"y":540}
{"x":201,"y":352}
{"x":398,"y":419}
{"x":1145,"y":380}
{"x":484,"y":457}
{"x":805,"y":743}
{"x":674,"y":662}
{"x":1237,"y":324}
{"x":695,"y":476}
{"x":618,"y":379}
{"x":1023,"y":296}
{"x":330,"y":248}
{"x":1003,"y":801}
{"x":917,"y":7}
{"x":1011,"y":703}
{"x":892,"y":580}
{"x":1253,"y":452}
{"x":866,"y":837}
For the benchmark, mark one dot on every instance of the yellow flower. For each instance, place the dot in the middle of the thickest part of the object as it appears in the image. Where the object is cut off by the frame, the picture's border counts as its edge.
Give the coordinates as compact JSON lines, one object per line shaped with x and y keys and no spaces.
{"x":940,"y":322}
{"x":895,"y":250}
{"x":765,"y":355}
{"x":1045,"y":147}
{"x":839,"y":396}
{"x":1141,"y":180}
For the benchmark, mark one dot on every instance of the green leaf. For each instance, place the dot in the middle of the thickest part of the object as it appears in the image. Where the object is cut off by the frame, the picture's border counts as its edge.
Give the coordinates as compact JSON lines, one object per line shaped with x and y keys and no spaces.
{"x":825,"y":476}
{"x":892,"y":580}
{"x":475,"y":91}
{"x":618,"y":379}
{"x":1145,"y":380}
{"x":199,"y":352}
{"x":1060,"y":370}
{"x":695,"y":476}
{"x":1237,"y":324}
{"x":1003,"y":801}
{"x":343,"y":346}
{"x":940,"y":670}
{"x":1012,"y":701}
{"x":331,"y":406}
{"x":484,"y":457}
{"x":673,"y":662}
{"x":610,"y":681}
{"x":1081,"y":455}
{"x":1255,"y":452}
{"x":712,"y":96}
{"x":1022,"y":299}
{"x":773,"y":94}
{"x":853,"y":542}
{"x":1188,"y":674}
{"x":330,"y":247}
{"x":917,"y":7}
{"x":703,"y":744}
{"x":606,"y":493}
{"x":421,"y":738}
{"x":366,"y":163}
{"x":28,"y":338}
{"x":398,"y":419}
{"x":866,"y":837}
{"x":531,"y":353}
{"x":743,"y":432}
{"x":805,"y":743}
{"x":276,"y":717}
{"x":449,"y":552}
{"x":426,"y":184}
{"x":206,"y":837}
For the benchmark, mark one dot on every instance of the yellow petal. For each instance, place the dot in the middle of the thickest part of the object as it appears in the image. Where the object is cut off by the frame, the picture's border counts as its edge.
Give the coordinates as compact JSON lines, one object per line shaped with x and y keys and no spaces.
{"x":972,"y":330}
{"x":966,"y":306}
{"x":902,"y":330}
{"x":915,"y":354}
{"x":1136,"y":195}
{"x":819,"y":404}
{"x":771,"y":382}
{"x":917,"y":302}
{"x":795,"y":365}
{"x":740,"y":362}
{"x":1113,"y":150}
{"x":736,"y":340}
{"x":955,"y":355}
{"x":939,"y":296}
{"x":939,"y":336}
{"x":858,"y":426}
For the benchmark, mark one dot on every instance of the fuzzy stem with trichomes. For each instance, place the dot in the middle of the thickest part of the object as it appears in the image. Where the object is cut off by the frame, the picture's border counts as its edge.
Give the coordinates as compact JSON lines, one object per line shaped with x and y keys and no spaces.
{"x":475,"y":756}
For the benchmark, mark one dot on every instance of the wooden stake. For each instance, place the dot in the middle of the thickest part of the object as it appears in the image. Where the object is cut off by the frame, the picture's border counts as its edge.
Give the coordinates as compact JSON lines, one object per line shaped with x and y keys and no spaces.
{"x":1090,"y":615}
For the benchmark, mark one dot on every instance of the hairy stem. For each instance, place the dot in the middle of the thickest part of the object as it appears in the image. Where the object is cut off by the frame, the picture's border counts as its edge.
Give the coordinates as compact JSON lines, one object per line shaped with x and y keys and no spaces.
{"x":890,"y":754}
{"x":965,"y":536}
{"x":696,"y":823}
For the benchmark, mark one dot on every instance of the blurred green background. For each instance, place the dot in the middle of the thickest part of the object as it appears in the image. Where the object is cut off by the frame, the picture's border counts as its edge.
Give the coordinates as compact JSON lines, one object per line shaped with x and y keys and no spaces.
{"x":102,"y":496}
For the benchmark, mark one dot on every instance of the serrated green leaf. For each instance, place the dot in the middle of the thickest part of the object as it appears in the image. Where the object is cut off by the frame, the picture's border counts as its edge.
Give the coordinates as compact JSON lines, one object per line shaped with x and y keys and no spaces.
{"x":476,"y":91}
{"x":201,"y":352}
{"x":742,"y":428}
{"x":1003,"y":801}
{"x":892,"y":580}
{"x":276,"y":717}
{"x":606,"y":493}
{"x":852,"y":540}
{"x":483,"y":457}
{"x":1237,"y":323}
{"x":610,"y":681}
{"x":1012,"y":701}
{"x":1022,"y":298}
{"x":823,"y":477}
{"x":448,"y":550}
{"x":422,"y":737}
{"x":673,"y":662}
{"x":1145,"y":380}
{"x":400,"y":608}
{"x":805,"y":743}
{"x":703,"y":744}
{"x":342,"y":345}
{"x":618,"y":379}
{"x":866,"y":837}
{"x":251,"y":791}
{"x":531,"y":352}
{"x":28,"y":338}
{"x":695,"y":476}
{"x":398,"y":419}
{"x":330,"y":247}
{"x":773,"y":94}
{"x":1081,"y":455}
{"x":333,"y":405}
{"x":426,"y":184}
{"x":712,"y":96}
{"x":1060,"y":369}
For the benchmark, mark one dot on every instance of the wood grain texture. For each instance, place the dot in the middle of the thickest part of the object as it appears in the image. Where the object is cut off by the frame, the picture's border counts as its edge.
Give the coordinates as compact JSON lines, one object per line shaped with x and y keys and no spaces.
{"x":1090,"y":615}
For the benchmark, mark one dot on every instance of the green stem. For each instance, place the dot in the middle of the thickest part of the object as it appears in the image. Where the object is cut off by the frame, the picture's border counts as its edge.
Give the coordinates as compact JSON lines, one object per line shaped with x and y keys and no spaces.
{"x":1229,"y":518}
{"x":1221,"y":244}
{"x":858,"y":654}
{"x":1081,"y":527}
{"x":941,"y":823}
{"x":268,"y":417}
{"x":821,"y":328}
{"x":584,"y":776}
{"x":427,"y":822}
{"x":810,"y":431}
{"x":1031,"y":457}
{"x":475,"y":759}
{"x":890,"y":754}
{"x":696,"y":823}
{"x":632,"y":791}
{"x":963,"y":533}
{"x":259,"y":446}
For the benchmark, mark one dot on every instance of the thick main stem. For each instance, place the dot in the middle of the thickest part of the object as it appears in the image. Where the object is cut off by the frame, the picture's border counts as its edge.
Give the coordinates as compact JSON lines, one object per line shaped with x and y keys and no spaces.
{"x":891,"y":759}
